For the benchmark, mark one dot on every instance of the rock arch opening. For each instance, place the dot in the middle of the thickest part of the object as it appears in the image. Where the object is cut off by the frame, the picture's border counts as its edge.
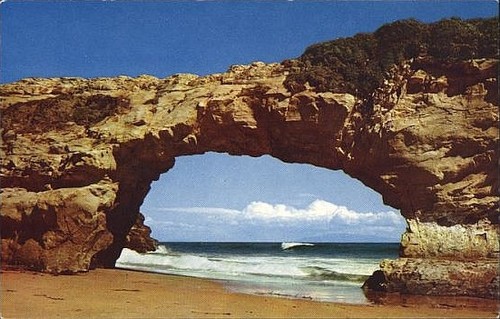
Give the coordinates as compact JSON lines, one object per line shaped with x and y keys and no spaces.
{"x":231,"y":217}
{"x":217,"y":197}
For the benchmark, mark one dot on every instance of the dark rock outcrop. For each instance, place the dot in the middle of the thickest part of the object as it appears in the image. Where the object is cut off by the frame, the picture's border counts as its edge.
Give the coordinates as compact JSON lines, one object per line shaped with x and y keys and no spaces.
{"x":80,"y":155}
{"x":139,"y":237}
{"x":435,"y":276}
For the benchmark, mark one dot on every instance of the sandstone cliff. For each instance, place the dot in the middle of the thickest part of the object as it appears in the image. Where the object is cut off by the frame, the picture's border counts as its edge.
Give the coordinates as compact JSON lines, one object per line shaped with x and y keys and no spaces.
{"x":79,"y":155}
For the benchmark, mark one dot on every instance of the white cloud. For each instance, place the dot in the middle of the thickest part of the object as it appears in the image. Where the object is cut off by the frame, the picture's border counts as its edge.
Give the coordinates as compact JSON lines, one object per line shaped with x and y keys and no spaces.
{"x":320,"y":220}
{"x":317,"y":211}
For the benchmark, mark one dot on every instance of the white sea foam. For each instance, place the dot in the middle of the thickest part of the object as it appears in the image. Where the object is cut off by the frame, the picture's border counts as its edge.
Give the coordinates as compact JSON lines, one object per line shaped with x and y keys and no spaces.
{"x":292,"y":273}
{"x":210,"y":267}
{"x":162,"y":249}
{"x":234,"y":267}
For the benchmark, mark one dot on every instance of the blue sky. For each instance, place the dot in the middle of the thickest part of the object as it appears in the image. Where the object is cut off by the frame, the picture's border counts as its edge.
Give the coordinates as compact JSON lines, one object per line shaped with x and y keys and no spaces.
{"x":214,"y":196}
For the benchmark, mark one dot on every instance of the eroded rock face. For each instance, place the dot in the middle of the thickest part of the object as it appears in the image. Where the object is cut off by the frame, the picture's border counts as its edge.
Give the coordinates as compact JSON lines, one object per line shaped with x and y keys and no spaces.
{"x":435,"y":276}
{"x":139,"y":237}
{"x":58,"y":230}
{"x":427,"y":141}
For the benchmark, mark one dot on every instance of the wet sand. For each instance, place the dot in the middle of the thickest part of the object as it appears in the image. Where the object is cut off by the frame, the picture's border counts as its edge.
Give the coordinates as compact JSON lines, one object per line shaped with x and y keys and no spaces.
{"x":106,"y":293}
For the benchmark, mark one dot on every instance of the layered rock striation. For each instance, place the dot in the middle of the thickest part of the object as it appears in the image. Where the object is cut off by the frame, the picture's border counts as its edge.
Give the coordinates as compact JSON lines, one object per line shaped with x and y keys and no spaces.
{"x":79,"y":155}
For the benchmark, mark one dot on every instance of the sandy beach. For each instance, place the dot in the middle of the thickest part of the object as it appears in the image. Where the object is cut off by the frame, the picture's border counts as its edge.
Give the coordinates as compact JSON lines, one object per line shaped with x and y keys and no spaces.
{"x":106,"y":293}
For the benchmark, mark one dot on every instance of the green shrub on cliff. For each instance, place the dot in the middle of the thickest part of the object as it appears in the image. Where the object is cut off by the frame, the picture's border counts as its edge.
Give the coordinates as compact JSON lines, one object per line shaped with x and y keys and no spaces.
{"x":453,"y":39}
{"x":357,"y":64}
{"x":489,"y":30}
{"x":400,"y":40}
{"x":339,"y":65}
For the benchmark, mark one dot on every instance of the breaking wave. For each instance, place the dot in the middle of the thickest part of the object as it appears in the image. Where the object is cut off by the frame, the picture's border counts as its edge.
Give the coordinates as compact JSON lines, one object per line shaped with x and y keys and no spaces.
{"x":286,"y":246}
{"x":323,"y":271}
{"x":244,"y":267}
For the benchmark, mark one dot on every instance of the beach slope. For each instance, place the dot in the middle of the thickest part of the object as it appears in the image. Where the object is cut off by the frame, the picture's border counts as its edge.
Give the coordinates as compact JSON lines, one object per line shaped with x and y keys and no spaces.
{"x":106,"y":293}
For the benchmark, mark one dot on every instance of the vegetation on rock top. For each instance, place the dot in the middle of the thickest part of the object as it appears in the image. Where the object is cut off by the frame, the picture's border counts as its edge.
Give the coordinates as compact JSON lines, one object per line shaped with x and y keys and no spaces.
{"x":358,"y":64}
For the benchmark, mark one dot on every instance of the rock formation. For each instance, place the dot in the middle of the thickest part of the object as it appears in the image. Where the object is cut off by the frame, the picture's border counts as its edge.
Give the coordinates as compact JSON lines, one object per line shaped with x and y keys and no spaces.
{"x":79,"y":155}
{"x":139,"y":237}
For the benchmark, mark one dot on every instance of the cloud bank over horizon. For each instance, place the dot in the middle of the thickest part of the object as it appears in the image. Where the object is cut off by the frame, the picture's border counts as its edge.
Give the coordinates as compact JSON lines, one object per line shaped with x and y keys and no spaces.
{"x":261,"y":221}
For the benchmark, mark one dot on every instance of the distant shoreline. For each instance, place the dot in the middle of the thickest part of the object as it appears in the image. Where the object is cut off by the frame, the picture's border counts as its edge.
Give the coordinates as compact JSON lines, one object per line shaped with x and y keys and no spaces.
{"x":116,"y":293}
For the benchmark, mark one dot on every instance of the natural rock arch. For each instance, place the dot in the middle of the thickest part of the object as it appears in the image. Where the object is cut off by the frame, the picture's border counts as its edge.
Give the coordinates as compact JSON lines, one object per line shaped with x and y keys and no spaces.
{"x":249,"y":189}
{"x":78,"y":158}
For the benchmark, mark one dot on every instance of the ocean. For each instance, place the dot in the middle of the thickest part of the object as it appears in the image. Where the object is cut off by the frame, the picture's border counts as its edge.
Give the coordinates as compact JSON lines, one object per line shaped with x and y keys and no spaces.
{"x":318,"y":271}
